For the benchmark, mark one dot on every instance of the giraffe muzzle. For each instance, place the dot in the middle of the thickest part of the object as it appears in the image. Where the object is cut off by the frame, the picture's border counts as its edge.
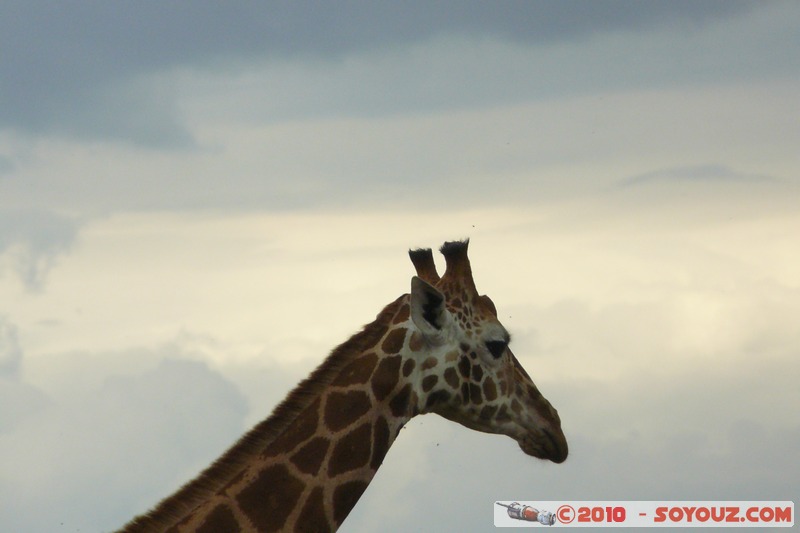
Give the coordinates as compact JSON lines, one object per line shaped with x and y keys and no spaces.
{"x":546,"y":444}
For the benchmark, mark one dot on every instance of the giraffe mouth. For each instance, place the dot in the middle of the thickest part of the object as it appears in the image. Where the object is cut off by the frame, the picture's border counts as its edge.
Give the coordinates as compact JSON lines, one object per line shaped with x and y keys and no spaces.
{"x":545,"y":445}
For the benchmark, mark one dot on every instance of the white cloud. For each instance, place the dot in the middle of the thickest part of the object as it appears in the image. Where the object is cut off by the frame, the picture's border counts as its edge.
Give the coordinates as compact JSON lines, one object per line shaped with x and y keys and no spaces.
{"x":95,"y":453}
{"x":31,"y":242}
{"x":10,"y":350}
{"x":525,"y":155}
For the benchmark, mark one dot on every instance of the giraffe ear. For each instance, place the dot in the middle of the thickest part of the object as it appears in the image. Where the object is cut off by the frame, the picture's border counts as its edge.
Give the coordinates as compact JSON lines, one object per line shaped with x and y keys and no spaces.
{"x":428,"y":311}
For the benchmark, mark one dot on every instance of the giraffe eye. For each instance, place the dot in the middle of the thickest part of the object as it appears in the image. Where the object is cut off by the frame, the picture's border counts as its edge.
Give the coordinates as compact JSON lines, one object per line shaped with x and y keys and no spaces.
{"x":496,"y":348}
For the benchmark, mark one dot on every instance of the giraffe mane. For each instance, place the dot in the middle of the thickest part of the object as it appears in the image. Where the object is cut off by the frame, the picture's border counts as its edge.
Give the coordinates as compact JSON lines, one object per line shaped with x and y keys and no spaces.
{"x":173,"y":508}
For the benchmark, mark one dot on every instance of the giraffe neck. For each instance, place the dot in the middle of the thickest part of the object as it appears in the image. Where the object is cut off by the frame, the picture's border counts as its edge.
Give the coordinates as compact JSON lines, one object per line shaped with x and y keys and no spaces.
{"x":306,"y":466}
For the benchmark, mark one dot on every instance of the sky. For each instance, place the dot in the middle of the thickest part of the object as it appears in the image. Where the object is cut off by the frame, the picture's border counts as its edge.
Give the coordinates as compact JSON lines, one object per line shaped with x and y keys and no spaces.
{"x":197,"y":203}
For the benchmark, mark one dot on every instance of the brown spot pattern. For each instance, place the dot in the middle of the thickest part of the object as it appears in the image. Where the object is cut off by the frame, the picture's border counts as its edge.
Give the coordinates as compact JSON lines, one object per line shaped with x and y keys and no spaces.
{"x":309,"y":458}
{"x":439,"y":396}
{"x":345,"y":498}
{"x":451,"y":377}
{"x":416,"y":342}
{"x":344,"y":408}
{"x":516,"y":406}
{"x":465,"y":392}
{"x":219,"y":519}
{"x":502,"y":414}
{"x":489,"y":389}
{"x":358,"y":371}
{"x":429,"y":382}
{"x":312,"y":517}
{"x":399,"y":403}
{"x":503,"y":387}
{"x":298,"y":432}
{"x":429,"y":363}
{"x":402,"y":314}
{"x":464,"y":367}
{"x":380,"y":446}
{"x":408,"y":367}
{"x":393,"y":342}
{"x":386,"y":376}
{"x":488,"y":412}
{"x":475,"y":394}
{"x":352,"y":451}
{"x":270,"y":498}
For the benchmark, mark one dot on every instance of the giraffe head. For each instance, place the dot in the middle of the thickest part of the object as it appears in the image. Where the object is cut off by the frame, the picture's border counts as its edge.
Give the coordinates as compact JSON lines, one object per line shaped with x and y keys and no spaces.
{"x":468,"y":373}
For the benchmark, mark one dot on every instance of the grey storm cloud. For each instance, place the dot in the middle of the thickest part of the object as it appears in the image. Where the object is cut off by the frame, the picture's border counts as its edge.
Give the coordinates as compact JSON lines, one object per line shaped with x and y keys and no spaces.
{"x":81,"y":68}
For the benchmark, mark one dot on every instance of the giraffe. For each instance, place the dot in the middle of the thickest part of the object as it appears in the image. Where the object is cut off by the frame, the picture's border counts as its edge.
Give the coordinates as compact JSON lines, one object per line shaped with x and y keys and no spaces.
{"x":439,"y":349}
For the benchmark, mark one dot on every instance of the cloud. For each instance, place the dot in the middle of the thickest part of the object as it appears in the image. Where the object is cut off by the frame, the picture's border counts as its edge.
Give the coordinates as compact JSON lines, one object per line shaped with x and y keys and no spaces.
{"x":95,"y":456}
{"x":525,"y":155}
{"x":10,"y":350}
{"x":153,"y":36}
{"x":719,"y":173}
{"x":19,"y":401}
{"x":7,"y":165}
{"x":454,"y":70}
{"x":92,"y":71}
{"x":31,"y":241}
